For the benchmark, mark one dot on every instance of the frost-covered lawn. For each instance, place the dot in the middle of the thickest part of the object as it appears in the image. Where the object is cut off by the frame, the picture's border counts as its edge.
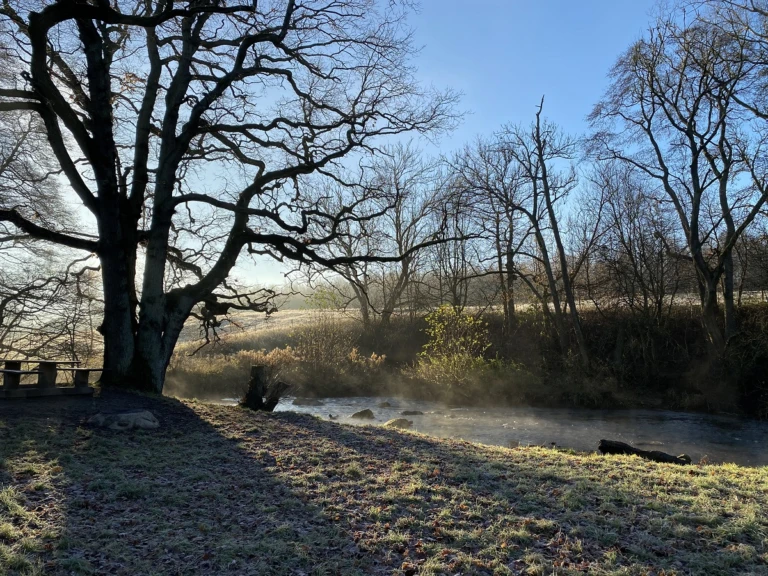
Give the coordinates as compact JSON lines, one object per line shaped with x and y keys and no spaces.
{"x":220,"y":490}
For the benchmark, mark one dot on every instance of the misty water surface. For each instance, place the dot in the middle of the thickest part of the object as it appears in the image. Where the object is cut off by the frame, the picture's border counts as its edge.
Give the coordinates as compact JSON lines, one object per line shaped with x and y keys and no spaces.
{"x":718,"y":438}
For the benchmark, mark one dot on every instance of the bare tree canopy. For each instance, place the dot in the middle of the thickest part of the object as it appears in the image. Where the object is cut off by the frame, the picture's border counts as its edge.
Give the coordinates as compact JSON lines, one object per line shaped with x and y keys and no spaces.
{"x":411,"y":194}
{"x":187,"y":131}
{"x":683,"y":109}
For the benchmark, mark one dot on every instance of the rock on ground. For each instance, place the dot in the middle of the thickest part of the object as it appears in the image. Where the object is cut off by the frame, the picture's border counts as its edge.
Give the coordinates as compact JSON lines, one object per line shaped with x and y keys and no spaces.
{"x":399,"y":423}
{"x":142,"y":419}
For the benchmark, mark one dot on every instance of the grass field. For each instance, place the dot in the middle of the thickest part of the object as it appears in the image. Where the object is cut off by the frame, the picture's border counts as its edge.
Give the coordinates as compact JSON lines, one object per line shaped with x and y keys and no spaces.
{"x":221,"y":490}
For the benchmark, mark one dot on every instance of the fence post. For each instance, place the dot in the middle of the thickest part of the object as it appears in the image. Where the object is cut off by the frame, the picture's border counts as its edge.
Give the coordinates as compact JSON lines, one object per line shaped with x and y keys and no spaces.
{"x":11,"y":381}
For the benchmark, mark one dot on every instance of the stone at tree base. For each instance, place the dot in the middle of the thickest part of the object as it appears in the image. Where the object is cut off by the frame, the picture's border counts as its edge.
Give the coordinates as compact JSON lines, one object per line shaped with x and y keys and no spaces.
{"x":133,"y":419}
{"x":366,"y":414}
{"x":412,"y":413}
{"x":399,"y":423}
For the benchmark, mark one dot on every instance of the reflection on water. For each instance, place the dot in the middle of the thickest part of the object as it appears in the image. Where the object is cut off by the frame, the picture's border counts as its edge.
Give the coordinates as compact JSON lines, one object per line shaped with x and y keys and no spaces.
{"x":719,"y":438}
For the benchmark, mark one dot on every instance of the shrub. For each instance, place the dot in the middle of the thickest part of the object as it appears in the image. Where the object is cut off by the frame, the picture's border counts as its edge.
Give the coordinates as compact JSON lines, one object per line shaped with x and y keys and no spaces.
{"x":454,"y":333}
{"x":366,"y":366}
{"x":453,"y":361}
{"x":324,"y":345}
{"x":329,"y":359}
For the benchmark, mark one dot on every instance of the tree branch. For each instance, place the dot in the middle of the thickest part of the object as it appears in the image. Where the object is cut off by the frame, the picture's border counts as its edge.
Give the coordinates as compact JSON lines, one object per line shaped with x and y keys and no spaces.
{"x":41,"y":233}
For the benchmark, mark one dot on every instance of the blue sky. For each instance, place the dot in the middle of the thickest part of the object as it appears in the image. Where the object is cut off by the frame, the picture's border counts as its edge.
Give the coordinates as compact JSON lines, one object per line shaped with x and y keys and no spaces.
{"x":505,"y":54}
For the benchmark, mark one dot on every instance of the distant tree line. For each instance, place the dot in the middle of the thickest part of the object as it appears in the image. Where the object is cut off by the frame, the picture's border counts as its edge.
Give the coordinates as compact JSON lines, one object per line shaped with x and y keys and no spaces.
{"x":661,"y":204}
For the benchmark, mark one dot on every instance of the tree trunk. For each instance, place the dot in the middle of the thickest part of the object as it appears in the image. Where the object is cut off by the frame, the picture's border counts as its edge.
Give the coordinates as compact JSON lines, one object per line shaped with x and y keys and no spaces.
{"x":557,"y":316}
{"x":365,"y":313}
{"x":502,"y":283}
{"x":510,"y":292}
{"x":710,"y":315}
{"x":361,"y":295}
{"x":155,"y":344}
{"x":117,"y":327}
{"x":580,"y":340}
{"x":257,"y":388}
{"x":730,"y":311}
{"x":567,"y":287}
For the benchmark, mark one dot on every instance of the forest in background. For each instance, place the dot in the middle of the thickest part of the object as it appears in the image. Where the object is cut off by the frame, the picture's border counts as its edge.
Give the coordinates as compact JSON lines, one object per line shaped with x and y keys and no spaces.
{"x":624,"y":267}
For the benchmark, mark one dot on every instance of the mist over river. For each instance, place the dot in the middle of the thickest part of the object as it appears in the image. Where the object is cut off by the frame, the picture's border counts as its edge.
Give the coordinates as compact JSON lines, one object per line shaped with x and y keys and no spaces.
{"x":717,"y":438}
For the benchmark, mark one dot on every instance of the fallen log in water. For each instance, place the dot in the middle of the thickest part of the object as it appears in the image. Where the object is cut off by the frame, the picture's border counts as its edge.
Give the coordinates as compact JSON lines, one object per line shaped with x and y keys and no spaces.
{"x":615,"y":447}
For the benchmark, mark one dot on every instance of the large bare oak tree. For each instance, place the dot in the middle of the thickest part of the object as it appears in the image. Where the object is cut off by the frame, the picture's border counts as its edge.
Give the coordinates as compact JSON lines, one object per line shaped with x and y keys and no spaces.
{"x":187,"y":131}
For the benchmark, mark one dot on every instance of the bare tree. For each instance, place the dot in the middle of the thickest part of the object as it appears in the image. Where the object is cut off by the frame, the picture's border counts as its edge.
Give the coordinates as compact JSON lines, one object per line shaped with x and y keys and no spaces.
{"x":409,"y":193}
{"x":453,"y":263}
{"x":673,"y":113}
{"x":635,"y":260}
{"x":492,"y":177}
{"x":188,"y":130}
{"x":539,"y":151}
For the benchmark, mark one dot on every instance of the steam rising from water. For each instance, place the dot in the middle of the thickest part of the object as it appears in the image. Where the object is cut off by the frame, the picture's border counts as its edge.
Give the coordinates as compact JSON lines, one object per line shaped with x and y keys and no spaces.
{"x":719,"y":438}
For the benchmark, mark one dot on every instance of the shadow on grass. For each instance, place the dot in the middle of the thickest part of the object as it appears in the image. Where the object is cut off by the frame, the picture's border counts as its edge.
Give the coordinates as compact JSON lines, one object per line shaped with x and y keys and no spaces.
{"x":461,"y":507}
{"x":184,"y":499}
{"x":220,"y":490}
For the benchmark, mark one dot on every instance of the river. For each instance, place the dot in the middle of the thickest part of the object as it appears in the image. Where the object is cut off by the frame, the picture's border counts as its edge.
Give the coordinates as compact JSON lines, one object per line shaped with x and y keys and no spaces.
{"x":717,"y":439}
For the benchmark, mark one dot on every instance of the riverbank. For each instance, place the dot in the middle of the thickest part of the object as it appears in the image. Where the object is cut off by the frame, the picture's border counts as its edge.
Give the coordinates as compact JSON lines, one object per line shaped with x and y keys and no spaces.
{"x":219,"y":489}
{"x":636,"y":364}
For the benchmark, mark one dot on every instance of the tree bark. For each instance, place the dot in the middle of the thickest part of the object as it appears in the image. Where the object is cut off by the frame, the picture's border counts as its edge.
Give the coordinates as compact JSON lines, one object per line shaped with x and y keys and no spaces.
{"x":730,"y":310}
{"x":710,"y":315}
{"x":117,"y":326}
{"x":362,"y":299}
{"x":510,"y":291}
